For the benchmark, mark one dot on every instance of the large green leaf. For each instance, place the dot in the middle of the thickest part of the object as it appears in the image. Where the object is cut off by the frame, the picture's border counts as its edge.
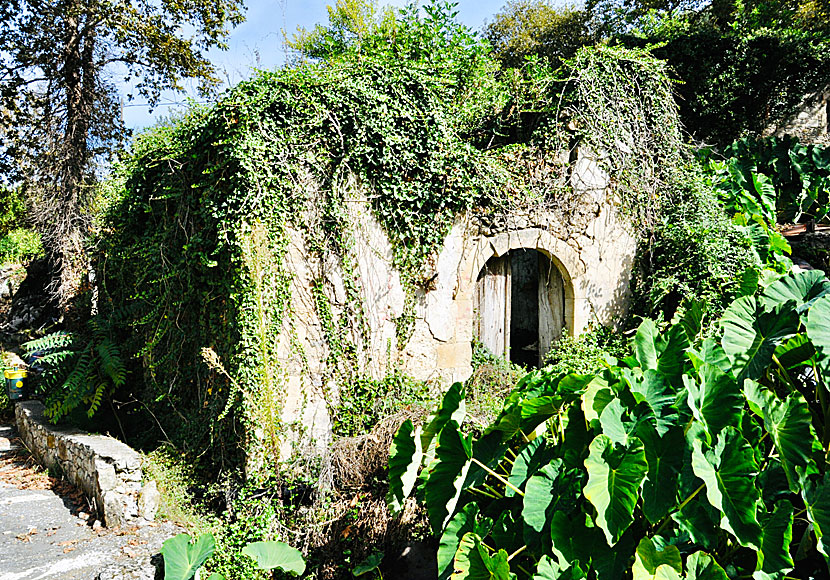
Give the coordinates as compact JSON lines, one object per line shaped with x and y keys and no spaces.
{"x":817,"y":500}
{"x":539,"y":496}
{"x":370,"y":564}
{"x":801,"y":287}
{"x":405,"y":456}
{"x":751,"y":335}
{"x":717,"y":401}
{"x":710,"y":352}
{"x":701,"y":521}
{"x":648,"y":560}
{"x":529,"y":460}
{"x":182,"y":559}
{"x":473,"y":561}
{"x":447,"y":474}
{"x":452,"y":408}
{"x":650,"y":388}
{"x":275,"y":556}
{"x":701,"y":566}
{"x":469,"y":561}
{"x":690,"y":317}
{"x":819,"y":332}
{"x":774,"y":560}
{"x":572,"y":540}
{"x":729,"y":471}
{"x":548,"y":569}
{"x":645,"y":344}
{"x":466,"y":520}
{"x":664,"y":456}
{"x":789,"y":424}
{"x":795,"y":352}
{"x":615,"y":473}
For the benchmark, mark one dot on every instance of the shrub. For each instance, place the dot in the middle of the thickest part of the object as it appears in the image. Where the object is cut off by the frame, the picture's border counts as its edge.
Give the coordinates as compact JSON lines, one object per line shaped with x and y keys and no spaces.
{"x":19,"y":245}
{"x":585,"y":353}
{"x":12,"y":210}
{"x":696,"y":253}
{"x":695,"y":454}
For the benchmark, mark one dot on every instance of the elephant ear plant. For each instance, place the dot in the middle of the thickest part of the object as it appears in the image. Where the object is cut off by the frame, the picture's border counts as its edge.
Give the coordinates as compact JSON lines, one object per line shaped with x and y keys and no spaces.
{"x":697,"y":458}
{"x":184,"y":557}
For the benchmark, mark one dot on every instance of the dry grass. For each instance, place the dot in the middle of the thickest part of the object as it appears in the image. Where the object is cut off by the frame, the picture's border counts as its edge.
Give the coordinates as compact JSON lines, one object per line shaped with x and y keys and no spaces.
{"x":355,"y":463}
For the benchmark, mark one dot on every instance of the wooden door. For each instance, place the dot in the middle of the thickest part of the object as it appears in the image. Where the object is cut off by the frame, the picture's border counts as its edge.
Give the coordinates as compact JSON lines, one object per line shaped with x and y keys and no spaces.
{"x":551,"y":305}
{"x":493,"y":306}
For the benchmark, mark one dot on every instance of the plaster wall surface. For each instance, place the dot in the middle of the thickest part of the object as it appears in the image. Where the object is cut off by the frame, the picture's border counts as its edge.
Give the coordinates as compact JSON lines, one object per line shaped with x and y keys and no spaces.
{"x":593,"y":251}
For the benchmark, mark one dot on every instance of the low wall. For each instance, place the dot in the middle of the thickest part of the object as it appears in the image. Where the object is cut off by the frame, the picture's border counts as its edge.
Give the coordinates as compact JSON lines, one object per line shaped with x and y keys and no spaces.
{"x":105,"y":469}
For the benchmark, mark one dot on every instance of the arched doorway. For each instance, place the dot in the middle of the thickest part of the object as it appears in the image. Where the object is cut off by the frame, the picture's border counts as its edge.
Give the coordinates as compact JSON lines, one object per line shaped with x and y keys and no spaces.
{"x":520,"y":306}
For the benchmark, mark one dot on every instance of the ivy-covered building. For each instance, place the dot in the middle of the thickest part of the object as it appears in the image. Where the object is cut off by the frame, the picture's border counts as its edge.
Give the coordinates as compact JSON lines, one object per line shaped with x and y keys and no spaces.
{"x":330,"y":224}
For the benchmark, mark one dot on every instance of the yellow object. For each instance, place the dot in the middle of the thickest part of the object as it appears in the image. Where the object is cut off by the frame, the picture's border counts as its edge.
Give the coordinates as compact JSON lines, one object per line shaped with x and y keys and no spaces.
{"x":15,"y":373}
{"x":15,"y":383}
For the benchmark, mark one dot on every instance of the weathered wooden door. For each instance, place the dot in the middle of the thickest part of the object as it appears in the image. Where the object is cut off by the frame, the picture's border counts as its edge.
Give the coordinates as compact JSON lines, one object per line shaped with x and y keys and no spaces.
{"x":493,"y":306}
{"x":551,"y":305}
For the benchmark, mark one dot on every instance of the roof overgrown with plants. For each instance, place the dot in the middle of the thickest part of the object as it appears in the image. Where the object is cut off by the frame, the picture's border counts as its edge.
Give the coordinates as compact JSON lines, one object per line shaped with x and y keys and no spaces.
{"x":425,"y":126}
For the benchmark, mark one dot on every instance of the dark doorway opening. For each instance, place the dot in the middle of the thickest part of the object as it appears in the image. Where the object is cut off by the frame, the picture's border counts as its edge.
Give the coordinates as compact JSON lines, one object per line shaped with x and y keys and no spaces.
{"x":520,"y":301}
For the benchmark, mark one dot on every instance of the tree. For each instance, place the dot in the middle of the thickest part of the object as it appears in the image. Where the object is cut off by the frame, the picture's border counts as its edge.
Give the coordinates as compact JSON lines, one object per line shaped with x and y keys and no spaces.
{"x":534,"y":27}
{"x":61,"y":113}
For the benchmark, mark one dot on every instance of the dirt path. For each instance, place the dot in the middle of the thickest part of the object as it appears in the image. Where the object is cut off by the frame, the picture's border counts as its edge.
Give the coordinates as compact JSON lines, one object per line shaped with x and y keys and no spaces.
{"x":46,"y":532}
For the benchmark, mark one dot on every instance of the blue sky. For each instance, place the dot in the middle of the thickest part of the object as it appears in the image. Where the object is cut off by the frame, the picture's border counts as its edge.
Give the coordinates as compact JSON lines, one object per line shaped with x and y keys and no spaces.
{"x":258,"y":43}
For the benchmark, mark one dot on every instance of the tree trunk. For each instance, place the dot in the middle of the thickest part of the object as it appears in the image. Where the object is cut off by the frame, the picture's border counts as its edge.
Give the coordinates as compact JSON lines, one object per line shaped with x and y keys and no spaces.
{"x":67,"y":219}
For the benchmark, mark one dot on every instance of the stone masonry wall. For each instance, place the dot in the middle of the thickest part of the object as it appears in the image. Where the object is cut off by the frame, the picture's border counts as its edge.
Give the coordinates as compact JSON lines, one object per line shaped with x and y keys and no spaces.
{"x":810,"y":123}
{"x":105,"y":469}
{"x":584,"y":237}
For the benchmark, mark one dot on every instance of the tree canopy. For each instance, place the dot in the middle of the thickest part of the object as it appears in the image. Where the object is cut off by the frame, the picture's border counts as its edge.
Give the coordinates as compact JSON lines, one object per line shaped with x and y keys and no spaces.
{"x":59,"y":64}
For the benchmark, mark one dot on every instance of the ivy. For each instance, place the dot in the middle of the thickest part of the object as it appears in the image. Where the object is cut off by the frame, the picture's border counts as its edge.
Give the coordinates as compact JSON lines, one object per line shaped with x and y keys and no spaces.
{"x":205,"y":206}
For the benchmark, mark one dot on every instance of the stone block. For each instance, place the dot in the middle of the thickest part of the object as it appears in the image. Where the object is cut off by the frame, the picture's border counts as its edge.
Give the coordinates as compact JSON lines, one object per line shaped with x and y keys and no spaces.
{"x":149,"y":500}
{"x":105,"y":475}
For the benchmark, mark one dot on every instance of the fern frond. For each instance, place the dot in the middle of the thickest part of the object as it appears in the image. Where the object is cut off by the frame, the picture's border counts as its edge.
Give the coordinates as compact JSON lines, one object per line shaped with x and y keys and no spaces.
{"x":95,"y":399}
{"x":56,"y":340}
{"x":111,"y":362}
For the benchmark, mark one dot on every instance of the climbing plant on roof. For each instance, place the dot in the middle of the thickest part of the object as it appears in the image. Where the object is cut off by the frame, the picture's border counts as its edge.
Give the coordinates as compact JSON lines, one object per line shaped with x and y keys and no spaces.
{"x":422,"y":129}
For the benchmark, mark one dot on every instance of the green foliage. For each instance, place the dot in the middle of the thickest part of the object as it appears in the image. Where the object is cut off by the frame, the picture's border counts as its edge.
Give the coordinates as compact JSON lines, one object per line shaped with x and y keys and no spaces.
{"x":12,"y":210}
{"x":525,"y":28}
{"x":19,"y":245}
{"x":586,"y":353}
{"x":637,"y":113}
{"x":696,"y":253}
{"x":183,"y":558}
{"x":80,"y":368}
{"x":691,"y":457}
{"x":800,"y":175}
{"x":364,"y":401}
{"x":736,"y":79}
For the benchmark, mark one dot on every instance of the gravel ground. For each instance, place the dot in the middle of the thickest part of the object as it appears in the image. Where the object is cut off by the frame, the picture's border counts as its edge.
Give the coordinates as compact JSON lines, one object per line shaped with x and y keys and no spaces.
{"x":47,"y":532}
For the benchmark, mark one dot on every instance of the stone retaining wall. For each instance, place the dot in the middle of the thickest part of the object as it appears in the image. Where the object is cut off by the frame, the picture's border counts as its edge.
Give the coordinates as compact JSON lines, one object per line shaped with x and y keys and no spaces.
{"x":105,"y":469}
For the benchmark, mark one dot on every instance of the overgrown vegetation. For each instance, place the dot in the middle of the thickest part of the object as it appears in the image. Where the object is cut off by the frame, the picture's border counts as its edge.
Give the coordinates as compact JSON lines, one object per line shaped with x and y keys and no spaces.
{"x":690,"y":458}
{"x":418,"y":122}
{"x":19,"y":245}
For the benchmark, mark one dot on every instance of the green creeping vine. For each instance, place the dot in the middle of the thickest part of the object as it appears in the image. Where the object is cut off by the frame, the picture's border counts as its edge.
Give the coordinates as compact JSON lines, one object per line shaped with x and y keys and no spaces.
{"x":418,"y":130}
{"x":694,"y":458}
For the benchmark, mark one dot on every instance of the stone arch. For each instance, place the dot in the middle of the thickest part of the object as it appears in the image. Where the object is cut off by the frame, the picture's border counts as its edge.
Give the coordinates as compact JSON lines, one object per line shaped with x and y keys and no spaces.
{"x":561,"y":255}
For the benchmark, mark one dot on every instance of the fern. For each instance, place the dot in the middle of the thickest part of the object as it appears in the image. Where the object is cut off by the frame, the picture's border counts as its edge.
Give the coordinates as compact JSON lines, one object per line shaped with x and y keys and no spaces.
{"x":78,"y":368}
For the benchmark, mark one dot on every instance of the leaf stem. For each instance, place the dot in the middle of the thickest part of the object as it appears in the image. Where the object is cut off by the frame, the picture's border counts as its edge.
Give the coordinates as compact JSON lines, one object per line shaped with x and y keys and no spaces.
{"x":517,"y":552}
{"x":497,"y":476}
{"x":680,"y":507}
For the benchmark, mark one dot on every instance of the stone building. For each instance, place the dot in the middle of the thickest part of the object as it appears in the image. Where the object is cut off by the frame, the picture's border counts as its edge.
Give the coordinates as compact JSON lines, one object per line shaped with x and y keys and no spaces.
{"x":516,"y":282}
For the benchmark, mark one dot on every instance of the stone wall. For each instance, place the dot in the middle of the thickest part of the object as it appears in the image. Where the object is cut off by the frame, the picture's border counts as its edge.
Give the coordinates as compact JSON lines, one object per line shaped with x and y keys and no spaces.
{"x":105,"y":469}
{"x":581,"y":233}
{"x":810,"y":123}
